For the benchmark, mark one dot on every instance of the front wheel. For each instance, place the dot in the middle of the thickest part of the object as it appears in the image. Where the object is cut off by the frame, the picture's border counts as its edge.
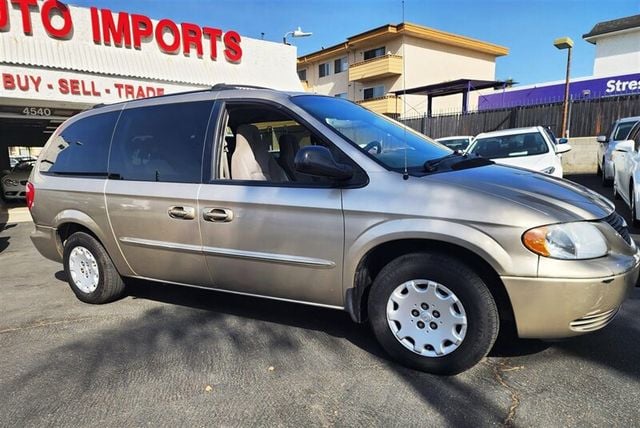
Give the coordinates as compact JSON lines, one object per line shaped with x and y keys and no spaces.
{"x":90,"y":271}
{"x":433,"y":313}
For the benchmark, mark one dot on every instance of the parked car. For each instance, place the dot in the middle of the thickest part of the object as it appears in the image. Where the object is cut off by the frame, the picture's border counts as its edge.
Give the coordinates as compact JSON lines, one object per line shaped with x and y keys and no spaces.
{"x":279,"y":195}
{"x":13,"y":184}
{"x":460,"y":142}
{"x":531,"y":148}
{"x":626,"y":158}
{"x":607,"y":145}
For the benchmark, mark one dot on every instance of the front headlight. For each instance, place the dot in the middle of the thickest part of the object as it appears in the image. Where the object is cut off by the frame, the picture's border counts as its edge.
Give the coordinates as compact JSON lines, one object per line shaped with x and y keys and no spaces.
{"x":568,"y":241}
{"x":10,"y":182}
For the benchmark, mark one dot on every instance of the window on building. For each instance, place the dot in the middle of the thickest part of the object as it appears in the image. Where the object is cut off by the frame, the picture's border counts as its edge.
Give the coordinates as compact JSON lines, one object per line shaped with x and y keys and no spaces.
{"x":82,"y":148}
{"x":323,"y":69}
{"x":374,"y":53}
{"x":340,"y":65}
{"x":373,"y":92}
{"x":161,"y":142}
{"x":302,"y":74}
{"x":341,"y":95}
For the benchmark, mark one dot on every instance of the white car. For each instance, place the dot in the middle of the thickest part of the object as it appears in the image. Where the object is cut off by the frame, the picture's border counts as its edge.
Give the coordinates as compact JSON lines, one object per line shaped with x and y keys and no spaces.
{"x":458,"y":142}
{"x":533,"y":148}
{"x":607,"y":145}
{"x":626,"y":179}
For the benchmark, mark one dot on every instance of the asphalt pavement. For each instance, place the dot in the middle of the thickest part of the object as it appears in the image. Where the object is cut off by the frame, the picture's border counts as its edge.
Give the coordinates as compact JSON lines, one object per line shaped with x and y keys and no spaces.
{"x":173,"y":356}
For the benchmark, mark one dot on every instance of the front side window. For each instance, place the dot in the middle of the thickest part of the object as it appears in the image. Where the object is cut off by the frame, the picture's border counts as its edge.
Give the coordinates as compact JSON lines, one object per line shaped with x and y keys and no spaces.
{"x":385,"y":140}
{"x":374,"y":53}
{"x":373,"y":92}
{"x":82,"y":148}
{"x":509,"y":146}
{"x":340,"y":65}
{"x":261,"y":144}
{"x":622,"y":131}
{"x":323,"y":69}
{"x":161,"y":143}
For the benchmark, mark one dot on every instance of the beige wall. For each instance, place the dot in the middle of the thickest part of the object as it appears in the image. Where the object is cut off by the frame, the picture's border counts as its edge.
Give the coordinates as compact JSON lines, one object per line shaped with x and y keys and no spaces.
{"x":425,"y":63}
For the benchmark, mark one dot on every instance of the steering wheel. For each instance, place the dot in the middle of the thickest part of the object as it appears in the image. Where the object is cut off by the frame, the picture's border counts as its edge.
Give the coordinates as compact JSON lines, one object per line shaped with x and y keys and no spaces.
{"x":372,"y":145}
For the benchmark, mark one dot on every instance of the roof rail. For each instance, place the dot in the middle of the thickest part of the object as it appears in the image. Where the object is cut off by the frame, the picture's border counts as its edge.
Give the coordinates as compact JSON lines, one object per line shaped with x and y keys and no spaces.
{"x":227,"y":86}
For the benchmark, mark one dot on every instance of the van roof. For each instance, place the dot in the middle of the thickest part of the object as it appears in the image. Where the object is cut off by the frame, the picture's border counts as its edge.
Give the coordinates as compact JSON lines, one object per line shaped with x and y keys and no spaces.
{"x":215,"y":88}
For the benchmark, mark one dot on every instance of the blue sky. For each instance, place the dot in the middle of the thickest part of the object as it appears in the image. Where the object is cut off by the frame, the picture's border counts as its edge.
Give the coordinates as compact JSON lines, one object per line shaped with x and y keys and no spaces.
{"x":526,"y":27}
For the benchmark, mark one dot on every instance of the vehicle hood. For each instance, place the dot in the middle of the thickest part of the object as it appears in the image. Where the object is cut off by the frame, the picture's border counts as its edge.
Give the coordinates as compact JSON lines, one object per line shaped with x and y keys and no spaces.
{"x":534,"y":163}
{"x":18,"y":175}
{"x":557,"y":199}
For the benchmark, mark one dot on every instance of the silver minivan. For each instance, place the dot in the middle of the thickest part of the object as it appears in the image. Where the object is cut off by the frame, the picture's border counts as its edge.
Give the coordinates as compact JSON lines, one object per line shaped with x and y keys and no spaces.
{"x":316,"y":200}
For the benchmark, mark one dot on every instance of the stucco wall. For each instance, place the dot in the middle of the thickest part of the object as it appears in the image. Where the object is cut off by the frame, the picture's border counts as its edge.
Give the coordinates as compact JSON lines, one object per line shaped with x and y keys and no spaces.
{"x":582,"y":157}
{"x":617,"y":54}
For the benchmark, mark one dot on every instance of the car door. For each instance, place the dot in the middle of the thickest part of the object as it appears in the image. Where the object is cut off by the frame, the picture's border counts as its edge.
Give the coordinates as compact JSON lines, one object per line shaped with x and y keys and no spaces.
{"x":266,"y":232}
{"x":632,"y":167}
{"x":155,"y":170}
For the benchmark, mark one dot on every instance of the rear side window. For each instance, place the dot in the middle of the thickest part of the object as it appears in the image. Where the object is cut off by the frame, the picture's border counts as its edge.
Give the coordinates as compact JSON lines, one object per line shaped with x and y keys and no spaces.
{"x":161,"y":143}
{"x":82,"y":148}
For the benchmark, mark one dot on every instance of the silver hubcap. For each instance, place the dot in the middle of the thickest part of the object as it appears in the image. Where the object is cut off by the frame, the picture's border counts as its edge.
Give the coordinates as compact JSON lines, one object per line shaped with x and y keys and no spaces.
{"x":84,"y":269}
{"x":426,"y":318}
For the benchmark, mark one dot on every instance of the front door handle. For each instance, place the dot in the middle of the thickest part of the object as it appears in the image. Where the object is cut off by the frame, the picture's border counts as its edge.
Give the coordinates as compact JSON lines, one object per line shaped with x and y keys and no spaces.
{"x":182,"y":213}
{"x":220,"y":215}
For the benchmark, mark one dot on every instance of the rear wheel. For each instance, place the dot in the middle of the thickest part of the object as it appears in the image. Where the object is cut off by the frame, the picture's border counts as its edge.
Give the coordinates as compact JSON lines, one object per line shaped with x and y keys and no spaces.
{"x":432,"y":313}
{"x":599,"y":170}
{"x":90,"y":271}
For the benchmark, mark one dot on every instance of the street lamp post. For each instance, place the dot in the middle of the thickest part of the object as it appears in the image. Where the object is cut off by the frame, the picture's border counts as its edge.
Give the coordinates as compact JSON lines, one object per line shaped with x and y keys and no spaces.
{"x":565,"y":43}
{"x":295,"y":33}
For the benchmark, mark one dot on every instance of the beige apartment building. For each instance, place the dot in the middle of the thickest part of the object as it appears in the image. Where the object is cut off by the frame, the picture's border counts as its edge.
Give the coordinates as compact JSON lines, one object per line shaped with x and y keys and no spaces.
{"x":374,"y":68}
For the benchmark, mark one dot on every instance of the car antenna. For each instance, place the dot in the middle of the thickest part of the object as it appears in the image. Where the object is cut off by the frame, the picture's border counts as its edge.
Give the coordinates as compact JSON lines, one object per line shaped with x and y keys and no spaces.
{"x":405,"y":174}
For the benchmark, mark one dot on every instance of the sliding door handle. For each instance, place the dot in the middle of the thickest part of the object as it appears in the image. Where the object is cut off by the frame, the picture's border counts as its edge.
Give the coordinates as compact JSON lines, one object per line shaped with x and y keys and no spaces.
{"x":219,"y":215}
{"x":182,"y":213}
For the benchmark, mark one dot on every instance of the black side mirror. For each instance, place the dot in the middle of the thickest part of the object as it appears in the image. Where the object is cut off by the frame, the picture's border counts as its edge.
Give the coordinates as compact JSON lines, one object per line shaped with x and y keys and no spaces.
{"x":318,"y":161}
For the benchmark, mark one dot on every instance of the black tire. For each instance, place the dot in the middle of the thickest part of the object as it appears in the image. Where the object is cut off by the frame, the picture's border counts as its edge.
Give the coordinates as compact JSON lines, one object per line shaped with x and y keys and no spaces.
{"x":472,"y":292}
{"x":632,"y":207}
{"x":599,"y":171}
{"x":606,"y":182}
{"x":110,"y":285}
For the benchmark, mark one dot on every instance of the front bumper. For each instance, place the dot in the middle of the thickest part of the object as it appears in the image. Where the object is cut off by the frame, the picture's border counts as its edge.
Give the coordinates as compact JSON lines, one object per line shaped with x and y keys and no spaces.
{"x":551,"y":308}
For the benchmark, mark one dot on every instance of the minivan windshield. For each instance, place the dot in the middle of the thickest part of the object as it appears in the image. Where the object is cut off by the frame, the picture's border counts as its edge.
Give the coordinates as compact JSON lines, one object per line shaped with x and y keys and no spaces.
{"x":387,"y":141}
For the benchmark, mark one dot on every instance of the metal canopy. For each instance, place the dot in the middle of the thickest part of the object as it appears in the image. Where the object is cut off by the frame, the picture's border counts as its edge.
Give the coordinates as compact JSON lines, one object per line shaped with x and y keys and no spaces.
{"x":452,"y":87}
{"x":459,"y":86}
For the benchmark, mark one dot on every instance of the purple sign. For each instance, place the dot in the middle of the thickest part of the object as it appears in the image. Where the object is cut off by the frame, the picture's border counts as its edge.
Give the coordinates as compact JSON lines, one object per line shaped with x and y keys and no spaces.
{"x":578,"y":89}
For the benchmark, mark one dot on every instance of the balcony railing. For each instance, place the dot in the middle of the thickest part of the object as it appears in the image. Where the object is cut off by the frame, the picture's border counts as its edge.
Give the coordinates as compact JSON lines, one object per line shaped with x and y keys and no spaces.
{"x":376,"y":68}
{"x":383,"y":105}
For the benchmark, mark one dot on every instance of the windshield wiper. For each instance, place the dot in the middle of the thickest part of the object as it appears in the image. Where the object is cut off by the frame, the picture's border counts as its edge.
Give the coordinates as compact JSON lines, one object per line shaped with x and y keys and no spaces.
{"x":432,"y":164}
{"x":455,"y":161}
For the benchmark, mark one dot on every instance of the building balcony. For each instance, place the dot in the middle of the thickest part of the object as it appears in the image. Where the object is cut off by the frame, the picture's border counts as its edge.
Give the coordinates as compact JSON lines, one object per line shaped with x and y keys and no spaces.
{"x":376,"y":68}
{"x":383,"y":105}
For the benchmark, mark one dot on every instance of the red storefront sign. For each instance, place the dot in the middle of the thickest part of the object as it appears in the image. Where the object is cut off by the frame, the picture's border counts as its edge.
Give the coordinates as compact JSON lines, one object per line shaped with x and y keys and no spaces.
{"x":129,"y":31}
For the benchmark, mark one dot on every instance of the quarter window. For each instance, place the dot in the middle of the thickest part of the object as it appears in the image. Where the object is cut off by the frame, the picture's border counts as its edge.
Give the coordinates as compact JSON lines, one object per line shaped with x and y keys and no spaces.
{"x":161,"y":143}
{"x":374,"y":53}
{"x":323,"y":69}
{"x":81,"y":148}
